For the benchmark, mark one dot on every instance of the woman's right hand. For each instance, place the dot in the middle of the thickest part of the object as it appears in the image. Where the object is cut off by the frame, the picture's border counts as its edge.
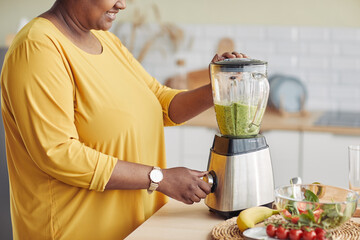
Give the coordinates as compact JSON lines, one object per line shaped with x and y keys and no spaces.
{"x":185,"y":185}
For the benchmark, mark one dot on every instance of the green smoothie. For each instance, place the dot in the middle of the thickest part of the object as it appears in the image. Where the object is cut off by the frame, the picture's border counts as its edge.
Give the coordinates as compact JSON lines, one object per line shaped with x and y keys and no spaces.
{"x":235,"y":119}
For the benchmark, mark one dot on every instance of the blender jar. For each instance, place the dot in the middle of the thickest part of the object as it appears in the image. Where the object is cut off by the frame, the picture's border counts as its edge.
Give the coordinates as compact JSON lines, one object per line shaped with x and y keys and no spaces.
{"x":240,"y":93}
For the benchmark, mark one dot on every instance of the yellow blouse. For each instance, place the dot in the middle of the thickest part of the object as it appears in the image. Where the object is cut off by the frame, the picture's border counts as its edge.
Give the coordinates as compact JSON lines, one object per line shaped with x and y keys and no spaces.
{"x":68,"y":116}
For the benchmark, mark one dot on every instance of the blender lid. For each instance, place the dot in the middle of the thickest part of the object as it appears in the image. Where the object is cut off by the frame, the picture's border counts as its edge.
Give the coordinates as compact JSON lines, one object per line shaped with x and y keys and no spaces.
{"x":229,"y":146}
{"x":240,"y":65}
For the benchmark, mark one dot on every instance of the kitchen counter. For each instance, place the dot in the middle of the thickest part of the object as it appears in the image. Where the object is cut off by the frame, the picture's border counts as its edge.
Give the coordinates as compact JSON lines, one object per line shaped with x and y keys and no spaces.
{"x":177,"y":220}
{"x":275,"y":121}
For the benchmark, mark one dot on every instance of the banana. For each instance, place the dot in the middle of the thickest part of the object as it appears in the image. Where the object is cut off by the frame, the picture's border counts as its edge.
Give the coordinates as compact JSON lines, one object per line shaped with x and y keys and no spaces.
{"x":251,"y":216}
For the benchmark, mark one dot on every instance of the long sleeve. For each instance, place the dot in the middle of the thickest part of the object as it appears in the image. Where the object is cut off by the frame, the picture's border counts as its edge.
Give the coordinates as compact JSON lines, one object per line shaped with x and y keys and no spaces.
{"x":69,"y":116}
{"x":41,"y":93}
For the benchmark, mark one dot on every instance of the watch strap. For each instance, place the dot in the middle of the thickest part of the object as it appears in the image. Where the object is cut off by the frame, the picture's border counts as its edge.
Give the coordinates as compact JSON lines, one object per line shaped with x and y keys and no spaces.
{"x":153,"y":187}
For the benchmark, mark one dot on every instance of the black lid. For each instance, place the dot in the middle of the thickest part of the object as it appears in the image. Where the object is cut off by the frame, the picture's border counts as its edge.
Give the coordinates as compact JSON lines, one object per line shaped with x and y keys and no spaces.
{"x":240,"y":65}
{"x":233,"y":146}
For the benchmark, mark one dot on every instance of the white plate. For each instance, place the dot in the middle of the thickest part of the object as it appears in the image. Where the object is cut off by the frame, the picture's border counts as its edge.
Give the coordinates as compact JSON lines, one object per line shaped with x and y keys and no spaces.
{"x":287,"y":93}
{"x":257,"y":233}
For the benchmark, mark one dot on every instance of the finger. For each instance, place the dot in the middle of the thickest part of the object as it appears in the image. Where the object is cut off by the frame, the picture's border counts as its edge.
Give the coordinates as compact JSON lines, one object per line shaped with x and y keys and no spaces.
{"x":195,"y":198}
{"x":204,"y":187}
{"x":244,"y":55}
{"x":228,"y":55}
{"x":198,"y":174}
{"x":188,"y":201}
{"x":200,"y":193}
{"x":237,"y":55}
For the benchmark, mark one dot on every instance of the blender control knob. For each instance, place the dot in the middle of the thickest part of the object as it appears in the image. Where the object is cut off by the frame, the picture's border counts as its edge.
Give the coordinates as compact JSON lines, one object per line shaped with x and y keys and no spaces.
{"x":210,"y":178}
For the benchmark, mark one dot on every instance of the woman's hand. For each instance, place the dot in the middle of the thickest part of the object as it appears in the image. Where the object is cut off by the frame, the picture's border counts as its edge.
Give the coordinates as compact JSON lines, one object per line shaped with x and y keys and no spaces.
{"x":187,"y":105}
{"x":184,"y":185}
{"x":228,"y":55}
{"x":180,"y":183}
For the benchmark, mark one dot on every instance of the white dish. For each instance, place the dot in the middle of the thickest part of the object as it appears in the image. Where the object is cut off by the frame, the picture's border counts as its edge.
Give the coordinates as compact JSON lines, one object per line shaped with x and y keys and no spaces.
{"x":287,"y":93}
{"x":257,"y":233}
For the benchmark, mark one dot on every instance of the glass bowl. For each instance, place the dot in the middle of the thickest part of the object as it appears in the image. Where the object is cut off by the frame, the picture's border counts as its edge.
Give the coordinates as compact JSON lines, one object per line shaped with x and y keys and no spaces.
{"x":315,"y":204}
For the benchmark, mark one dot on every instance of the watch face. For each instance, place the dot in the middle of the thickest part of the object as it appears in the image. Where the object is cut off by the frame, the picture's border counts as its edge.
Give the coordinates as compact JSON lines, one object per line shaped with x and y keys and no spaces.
{"x":156,"y":175}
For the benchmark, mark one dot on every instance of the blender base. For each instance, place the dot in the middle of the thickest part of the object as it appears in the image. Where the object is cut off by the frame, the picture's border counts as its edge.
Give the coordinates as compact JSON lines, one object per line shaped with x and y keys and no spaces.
{"x":227,"y":215}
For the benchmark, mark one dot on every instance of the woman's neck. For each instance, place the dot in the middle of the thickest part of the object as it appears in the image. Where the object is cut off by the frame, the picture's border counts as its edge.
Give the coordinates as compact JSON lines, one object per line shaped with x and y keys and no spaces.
{"x":67,"y":22}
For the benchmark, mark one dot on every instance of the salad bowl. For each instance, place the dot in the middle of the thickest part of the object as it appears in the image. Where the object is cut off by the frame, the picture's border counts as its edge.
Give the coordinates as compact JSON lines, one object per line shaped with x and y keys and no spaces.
{"x":316,"y":205}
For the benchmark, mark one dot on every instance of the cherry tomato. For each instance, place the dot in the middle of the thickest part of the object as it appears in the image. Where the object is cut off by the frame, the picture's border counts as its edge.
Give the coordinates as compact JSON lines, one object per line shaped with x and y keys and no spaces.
{"x":295,"y":219}
{"x":317,"y":214}
{"x":309,"y":235}
{"x":295,"y":234}
{"x":271,"y":230}
{"x":302,"y":207}
{"x":282,"y":233}
{"x":320,"y":232}
{"x":286,"y":214}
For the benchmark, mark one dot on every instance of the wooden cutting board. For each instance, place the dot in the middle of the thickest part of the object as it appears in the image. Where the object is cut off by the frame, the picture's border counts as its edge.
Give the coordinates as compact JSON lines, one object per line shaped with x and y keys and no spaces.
{"x":200,"y":77}
{"x":225,"y":45}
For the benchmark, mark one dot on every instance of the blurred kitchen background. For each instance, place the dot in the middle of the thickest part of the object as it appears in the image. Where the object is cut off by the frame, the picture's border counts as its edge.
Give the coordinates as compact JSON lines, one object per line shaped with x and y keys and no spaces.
{"x":313,"y":51}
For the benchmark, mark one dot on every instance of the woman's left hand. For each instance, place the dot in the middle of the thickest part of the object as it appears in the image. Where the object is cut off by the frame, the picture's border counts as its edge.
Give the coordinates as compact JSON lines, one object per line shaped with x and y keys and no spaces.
{"x":188,"y":104}
{"x":228,"y":55}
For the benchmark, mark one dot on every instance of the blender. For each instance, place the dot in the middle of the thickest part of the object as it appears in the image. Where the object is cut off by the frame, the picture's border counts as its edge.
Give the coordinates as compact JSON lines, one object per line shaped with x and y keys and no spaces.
{"x":240,"y":169}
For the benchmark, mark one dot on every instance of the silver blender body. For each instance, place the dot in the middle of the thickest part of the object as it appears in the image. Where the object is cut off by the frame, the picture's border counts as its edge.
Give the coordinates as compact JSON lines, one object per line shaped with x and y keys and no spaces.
{"x":241,"y":175}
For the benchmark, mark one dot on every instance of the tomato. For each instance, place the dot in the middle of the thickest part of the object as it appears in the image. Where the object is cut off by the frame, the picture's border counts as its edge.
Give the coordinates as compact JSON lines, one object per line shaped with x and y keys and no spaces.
{"x":295,"y":219}
{"x":309,"y":235}
{"x":317,"y":214}
{"x":271,"y":230}
{"x":282,"y":233}
{"x":286,"y":214}
{"x":295,"y":234}
{"x":302,"y":207}
{"x":320,"y":232}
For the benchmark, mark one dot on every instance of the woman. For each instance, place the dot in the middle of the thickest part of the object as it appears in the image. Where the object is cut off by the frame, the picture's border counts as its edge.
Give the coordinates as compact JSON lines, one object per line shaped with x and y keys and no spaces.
{"x":84,"y":128}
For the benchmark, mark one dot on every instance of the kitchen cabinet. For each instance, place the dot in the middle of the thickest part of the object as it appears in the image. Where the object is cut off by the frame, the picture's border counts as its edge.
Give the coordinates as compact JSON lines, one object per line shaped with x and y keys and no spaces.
{"x":285,"y":154}
{"x":173,"y":146}
{"x":315,"y":156}
{"x":325,"y":158}
{"x":188,"y":146}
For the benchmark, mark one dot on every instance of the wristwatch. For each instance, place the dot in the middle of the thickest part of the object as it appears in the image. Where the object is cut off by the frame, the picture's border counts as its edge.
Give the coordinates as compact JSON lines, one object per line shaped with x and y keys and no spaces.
{"x":156,"y":176}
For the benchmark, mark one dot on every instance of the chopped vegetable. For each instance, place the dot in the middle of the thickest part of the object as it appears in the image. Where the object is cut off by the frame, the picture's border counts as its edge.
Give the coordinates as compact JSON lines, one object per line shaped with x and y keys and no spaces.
{"x":308,"y":213}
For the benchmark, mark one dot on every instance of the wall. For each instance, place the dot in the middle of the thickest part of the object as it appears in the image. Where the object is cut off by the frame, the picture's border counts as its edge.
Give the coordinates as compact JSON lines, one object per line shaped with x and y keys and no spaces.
{"x":341,"y":13}
{"x":317,"y":41}
{"x":274,"y":12}
{"x":325,"y":59}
